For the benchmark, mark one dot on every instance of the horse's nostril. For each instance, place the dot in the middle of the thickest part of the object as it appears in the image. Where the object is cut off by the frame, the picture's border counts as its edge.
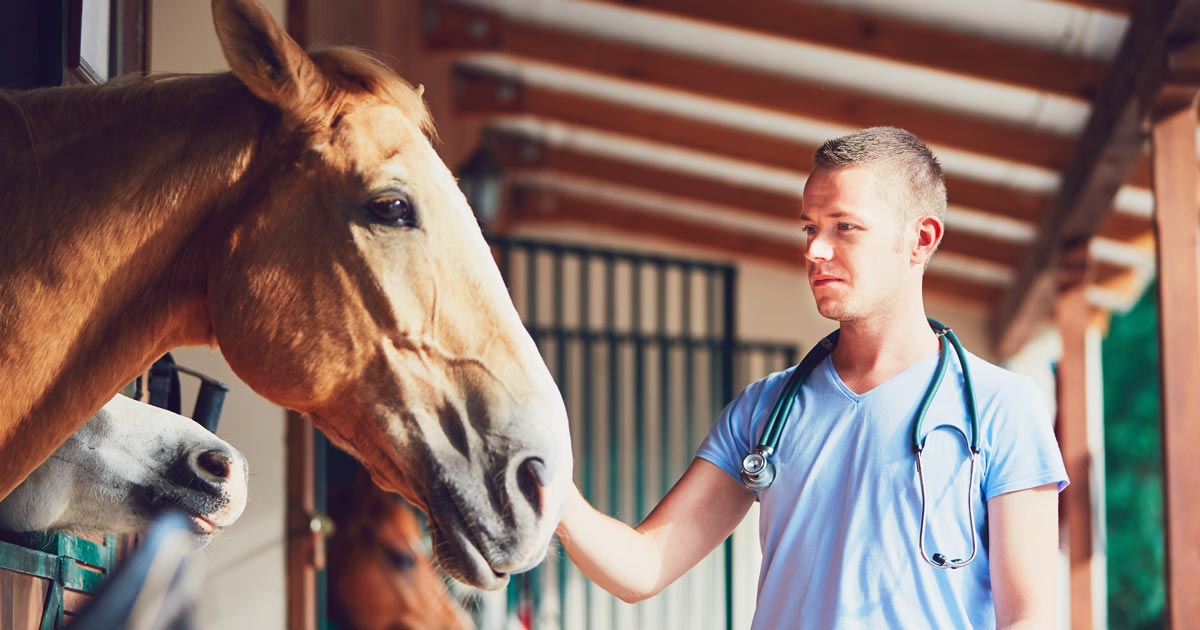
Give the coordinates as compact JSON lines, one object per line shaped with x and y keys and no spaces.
{"x":532,"y":476}
{"x":216,"y":463}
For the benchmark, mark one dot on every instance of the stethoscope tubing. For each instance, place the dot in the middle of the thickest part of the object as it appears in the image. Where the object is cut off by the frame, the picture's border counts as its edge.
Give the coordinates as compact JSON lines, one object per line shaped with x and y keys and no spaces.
{"x":759,"y":474}
{"x":944,"y":563}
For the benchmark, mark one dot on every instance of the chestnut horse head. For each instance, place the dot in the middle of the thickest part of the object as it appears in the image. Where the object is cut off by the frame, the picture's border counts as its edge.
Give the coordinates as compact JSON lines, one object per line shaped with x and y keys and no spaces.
{"x":295,"y":214}
{"x":380,"y":574}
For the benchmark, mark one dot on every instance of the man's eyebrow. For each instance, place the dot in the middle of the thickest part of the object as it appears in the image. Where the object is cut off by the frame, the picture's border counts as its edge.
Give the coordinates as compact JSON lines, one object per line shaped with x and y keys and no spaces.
{"x":840,"y":214}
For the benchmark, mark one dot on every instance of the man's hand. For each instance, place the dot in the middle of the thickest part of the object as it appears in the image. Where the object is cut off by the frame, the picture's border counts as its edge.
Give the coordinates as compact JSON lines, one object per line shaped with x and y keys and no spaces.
{"x":699,"y":512}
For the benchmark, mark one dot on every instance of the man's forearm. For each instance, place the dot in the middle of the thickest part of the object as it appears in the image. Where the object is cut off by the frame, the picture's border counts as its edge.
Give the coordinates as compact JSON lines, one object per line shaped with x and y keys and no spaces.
{"x":621,"y":559}
{"x":701,"y":509}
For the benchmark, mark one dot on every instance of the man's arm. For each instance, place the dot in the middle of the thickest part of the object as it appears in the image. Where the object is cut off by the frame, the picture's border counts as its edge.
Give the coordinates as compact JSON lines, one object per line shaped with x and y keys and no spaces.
{"x":703,"y":507}
{"x":1024,"y":557}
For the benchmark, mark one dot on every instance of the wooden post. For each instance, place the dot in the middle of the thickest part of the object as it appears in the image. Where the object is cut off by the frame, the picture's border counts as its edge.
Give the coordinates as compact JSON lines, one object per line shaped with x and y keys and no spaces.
{"x":1072,"y":313}
{"x":1177,"y":228}
{"x":305,"y":548}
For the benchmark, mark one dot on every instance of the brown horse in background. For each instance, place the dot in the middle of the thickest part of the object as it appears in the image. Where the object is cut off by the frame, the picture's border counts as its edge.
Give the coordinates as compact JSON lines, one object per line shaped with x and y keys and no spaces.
{"x":380,"y":575}
{"x":293,"y":213}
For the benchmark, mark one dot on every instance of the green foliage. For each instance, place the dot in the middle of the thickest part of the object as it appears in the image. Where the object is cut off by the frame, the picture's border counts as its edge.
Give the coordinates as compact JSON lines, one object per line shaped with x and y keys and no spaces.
{"x":1133,"y":469}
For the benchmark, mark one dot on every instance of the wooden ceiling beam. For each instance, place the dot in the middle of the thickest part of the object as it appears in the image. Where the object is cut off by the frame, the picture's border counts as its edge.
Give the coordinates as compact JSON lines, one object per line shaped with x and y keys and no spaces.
{"x":528,"y":205}
{"x":482,"y":93}
{"x":1131,"y":230}
{"x":894,"y":40}
{"x":1159,"y":33}
{"x":1122,"y":7}
{"x":519,"y":152}
{"x":472,"y":29}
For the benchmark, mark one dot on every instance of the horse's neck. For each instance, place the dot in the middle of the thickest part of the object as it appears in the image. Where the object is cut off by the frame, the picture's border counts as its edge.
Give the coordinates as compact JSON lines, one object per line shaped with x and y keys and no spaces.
{"x":102,"y":193}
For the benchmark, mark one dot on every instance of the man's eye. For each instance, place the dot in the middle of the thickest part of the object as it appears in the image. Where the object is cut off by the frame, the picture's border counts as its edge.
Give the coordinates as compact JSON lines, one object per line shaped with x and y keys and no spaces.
{"x":845,"y":226}
{"x":808,"y":229}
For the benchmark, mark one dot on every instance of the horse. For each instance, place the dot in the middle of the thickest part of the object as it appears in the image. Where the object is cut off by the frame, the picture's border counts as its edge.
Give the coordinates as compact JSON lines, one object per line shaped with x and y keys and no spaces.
{"x":380,"y":575}
{"x":293,"y":213}
{"x":124,"y":466}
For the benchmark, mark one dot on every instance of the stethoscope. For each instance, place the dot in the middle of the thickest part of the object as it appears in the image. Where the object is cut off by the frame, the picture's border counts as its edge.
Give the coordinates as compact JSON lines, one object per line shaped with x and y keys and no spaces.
{"x":758,"y":473}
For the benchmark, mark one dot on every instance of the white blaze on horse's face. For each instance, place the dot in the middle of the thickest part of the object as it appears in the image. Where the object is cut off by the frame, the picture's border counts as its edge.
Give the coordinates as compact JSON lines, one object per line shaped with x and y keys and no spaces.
{"x":123,"y":467}
{"x":359,"y":289}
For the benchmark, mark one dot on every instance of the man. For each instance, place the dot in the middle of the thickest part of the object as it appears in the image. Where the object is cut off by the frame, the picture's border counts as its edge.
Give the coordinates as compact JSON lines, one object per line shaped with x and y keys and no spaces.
{"x":840,"y":525}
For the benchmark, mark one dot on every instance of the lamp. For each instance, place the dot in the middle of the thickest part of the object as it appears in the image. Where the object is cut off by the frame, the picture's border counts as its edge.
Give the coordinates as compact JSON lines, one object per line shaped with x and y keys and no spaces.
{"x":481,"y":179}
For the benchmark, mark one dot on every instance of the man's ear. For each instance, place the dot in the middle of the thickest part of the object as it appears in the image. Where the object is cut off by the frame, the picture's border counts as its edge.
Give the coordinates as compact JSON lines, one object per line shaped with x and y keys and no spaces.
{"x":266,"y":58}
{"x":929,"y":235}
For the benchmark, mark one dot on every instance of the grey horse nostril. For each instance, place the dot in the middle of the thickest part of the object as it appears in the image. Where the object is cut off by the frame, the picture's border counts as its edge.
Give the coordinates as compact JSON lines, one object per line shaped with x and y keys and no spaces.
{"x":216,"y":463}
{"x":532,"y":476}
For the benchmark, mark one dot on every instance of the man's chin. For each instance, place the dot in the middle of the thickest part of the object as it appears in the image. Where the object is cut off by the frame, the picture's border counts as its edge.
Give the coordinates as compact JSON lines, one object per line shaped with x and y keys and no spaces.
{"x":833,"y":311}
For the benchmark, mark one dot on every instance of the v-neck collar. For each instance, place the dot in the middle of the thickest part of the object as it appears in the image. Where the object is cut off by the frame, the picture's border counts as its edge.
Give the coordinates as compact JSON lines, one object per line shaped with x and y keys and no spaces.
{"x":845,"y":390}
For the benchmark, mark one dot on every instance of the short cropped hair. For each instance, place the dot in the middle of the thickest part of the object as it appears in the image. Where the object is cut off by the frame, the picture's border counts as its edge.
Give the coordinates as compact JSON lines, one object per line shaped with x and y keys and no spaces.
{"x":908,"y":174}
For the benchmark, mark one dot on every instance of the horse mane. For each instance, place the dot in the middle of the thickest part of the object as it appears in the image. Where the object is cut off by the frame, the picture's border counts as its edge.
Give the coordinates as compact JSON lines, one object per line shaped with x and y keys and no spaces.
{"x":349,"y":72}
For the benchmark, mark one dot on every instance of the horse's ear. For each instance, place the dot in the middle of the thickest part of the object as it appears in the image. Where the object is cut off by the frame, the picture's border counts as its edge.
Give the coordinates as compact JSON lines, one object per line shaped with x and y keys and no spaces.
{"x":265,"y":57}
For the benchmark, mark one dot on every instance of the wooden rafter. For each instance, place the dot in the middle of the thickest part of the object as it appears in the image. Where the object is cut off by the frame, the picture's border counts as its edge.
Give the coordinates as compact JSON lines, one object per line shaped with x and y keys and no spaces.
{"x":1133,"y":230}
{"x":531,"y":205}
{"x":1110,"y":145}
{"x":523,"y":152}
{"x":484,"y":93}
{"x":895,"y":40}
{"x":518,"y":152}
{"x":489,"y":94}
{"x":462,"y":28}
{"x":1112,"y":6}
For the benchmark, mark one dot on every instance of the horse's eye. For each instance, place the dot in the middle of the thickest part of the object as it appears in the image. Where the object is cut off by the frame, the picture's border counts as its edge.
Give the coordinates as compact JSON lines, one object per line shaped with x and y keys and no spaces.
{"x":400,"y":559}
{"x":396,"y":211}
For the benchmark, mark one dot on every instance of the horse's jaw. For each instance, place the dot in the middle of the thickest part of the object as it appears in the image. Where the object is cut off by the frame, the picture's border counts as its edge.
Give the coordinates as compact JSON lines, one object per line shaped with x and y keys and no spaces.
{"x":483,"y":527}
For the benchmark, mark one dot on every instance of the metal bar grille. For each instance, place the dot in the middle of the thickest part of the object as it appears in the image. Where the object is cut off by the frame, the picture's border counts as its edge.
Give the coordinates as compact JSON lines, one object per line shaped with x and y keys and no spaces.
{"x":644,"y":350}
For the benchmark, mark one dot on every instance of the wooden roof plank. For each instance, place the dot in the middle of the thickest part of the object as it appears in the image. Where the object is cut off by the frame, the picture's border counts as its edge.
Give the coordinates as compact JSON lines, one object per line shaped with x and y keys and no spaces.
{"x":1122,"y":7}
{"x":489,"y":94}
{"x":1111,"y":144}
{"x":517,"y":152}
{"x":895,"y":40}
{"x":461,"y":28}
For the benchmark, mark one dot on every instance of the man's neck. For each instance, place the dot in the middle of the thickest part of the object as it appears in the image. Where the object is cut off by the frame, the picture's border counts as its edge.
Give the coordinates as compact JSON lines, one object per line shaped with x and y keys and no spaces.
{"x":871,"y":351}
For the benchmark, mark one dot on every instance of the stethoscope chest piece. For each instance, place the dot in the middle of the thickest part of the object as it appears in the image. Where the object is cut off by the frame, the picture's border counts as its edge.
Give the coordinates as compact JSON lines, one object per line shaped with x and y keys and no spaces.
{"x":757,"y":470}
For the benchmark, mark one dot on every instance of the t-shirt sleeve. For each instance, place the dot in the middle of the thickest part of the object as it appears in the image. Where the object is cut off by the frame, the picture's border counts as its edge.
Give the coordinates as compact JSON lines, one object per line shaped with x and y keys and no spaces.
{"x":734,"y":434}
{"x":1022,"y":450}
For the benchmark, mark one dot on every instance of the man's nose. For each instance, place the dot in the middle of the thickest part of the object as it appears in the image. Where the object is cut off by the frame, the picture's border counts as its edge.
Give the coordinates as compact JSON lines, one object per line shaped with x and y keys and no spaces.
{"x":817,"y":249}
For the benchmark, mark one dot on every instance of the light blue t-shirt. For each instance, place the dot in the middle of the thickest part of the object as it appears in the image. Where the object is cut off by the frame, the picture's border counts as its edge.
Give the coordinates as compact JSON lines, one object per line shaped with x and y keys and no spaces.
{"x":839,"y":527}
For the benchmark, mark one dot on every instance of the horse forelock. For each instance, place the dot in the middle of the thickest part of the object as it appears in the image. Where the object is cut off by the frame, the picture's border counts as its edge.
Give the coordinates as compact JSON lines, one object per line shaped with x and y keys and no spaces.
{"x":355,"y":72}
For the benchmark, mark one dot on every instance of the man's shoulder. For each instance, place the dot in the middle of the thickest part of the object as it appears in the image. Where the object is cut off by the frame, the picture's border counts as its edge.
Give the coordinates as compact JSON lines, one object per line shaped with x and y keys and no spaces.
{"x":774,"y":380}
{"x":993,"y":382}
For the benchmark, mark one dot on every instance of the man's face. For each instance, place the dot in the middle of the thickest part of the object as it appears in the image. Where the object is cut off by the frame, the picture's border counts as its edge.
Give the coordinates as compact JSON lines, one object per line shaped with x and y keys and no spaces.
{"x":858,"y":258}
